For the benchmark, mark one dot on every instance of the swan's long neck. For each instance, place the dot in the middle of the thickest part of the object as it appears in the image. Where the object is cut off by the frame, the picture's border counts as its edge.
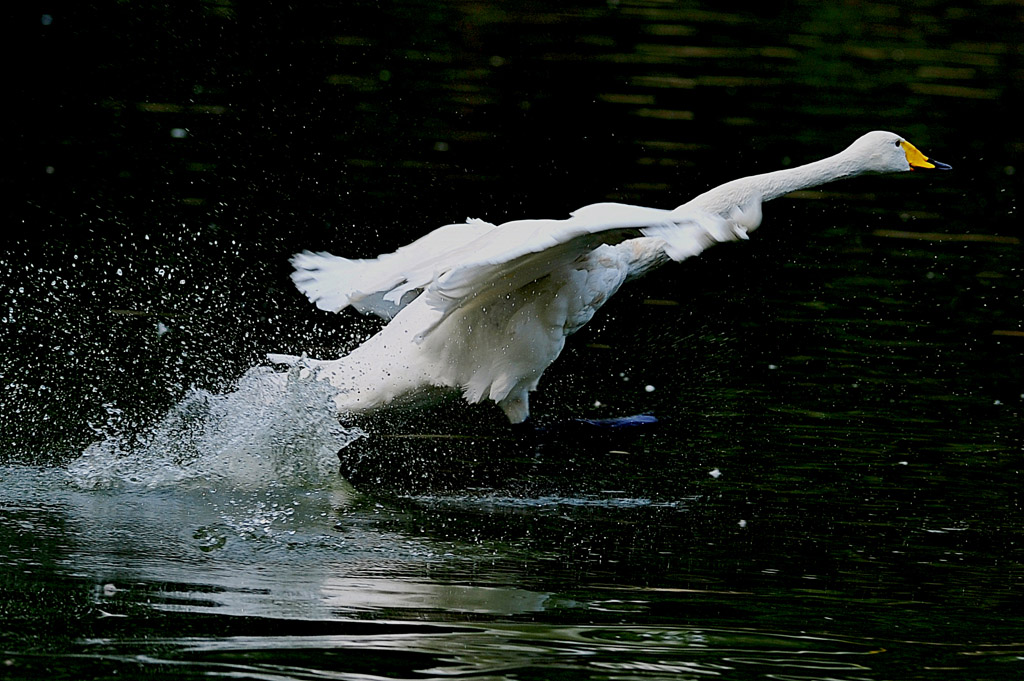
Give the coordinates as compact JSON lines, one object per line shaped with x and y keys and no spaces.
{"x":748,"y":191}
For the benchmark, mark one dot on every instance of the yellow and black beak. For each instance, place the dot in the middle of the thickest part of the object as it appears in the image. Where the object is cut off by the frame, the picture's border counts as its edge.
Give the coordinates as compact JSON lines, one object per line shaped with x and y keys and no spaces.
{"x":917,"y":160}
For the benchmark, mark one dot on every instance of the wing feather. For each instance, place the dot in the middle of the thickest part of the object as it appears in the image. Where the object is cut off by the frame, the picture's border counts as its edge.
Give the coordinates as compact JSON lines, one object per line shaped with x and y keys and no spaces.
{"x":522,"y":251}
{"x":382,"y":285}
{"x":478,"y":261}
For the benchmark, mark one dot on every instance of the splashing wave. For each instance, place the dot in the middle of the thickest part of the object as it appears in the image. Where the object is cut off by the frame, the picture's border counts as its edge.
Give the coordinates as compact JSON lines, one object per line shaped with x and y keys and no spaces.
{"x":274,"y":428}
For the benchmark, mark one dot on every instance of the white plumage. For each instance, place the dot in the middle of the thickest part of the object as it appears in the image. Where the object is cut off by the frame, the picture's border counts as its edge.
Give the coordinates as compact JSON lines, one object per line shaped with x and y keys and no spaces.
{"x":485,"y":308}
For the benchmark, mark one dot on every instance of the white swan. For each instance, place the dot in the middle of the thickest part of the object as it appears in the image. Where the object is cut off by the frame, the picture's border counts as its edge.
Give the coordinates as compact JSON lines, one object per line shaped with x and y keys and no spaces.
{"x":485,"y":308}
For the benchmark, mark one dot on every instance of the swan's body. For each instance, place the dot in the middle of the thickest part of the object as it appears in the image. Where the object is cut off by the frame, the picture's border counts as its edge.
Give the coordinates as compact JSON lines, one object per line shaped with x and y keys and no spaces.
{"x":485,"y":308}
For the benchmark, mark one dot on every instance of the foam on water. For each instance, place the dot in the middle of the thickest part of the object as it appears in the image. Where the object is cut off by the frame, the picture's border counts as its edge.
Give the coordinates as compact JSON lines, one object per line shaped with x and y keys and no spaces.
{"x":274,"y":428}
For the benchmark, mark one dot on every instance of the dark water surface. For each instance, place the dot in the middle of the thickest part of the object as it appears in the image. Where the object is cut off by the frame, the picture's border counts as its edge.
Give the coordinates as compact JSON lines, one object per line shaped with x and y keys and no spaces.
{"x":833,"y":492}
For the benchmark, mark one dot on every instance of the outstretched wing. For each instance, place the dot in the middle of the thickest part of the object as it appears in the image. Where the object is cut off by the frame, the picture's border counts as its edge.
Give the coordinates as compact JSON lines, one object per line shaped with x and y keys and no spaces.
{"x":459,"y":263}
{"x":517,"y":253}
{"x":333,"y":283}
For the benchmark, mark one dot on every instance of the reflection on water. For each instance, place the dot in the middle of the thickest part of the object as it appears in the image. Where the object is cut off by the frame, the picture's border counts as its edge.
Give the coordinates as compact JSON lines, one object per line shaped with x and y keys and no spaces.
{"x":833,"y":490}
{"x":297,"y":581}
{"x":491,"y":651}
{"x":338,"y":586}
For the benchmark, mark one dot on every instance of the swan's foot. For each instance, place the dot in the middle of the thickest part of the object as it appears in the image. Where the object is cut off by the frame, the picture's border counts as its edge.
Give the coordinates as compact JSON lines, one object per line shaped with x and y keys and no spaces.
{"x":620,"y":423}
{"x":610,"y":427}
{"x":533,"y":434}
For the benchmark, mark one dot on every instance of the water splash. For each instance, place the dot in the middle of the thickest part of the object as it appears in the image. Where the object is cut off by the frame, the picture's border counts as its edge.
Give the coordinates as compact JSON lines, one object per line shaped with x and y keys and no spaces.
{"x":273,"y":429}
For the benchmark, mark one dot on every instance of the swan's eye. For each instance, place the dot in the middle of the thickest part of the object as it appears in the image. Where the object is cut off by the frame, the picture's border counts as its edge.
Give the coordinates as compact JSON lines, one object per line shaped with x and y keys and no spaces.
{"x":897,"y":142}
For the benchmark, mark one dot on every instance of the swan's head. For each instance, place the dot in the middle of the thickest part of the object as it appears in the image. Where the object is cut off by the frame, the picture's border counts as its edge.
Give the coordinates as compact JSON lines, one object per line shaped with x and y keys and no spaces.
{"x":887,"y":152}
